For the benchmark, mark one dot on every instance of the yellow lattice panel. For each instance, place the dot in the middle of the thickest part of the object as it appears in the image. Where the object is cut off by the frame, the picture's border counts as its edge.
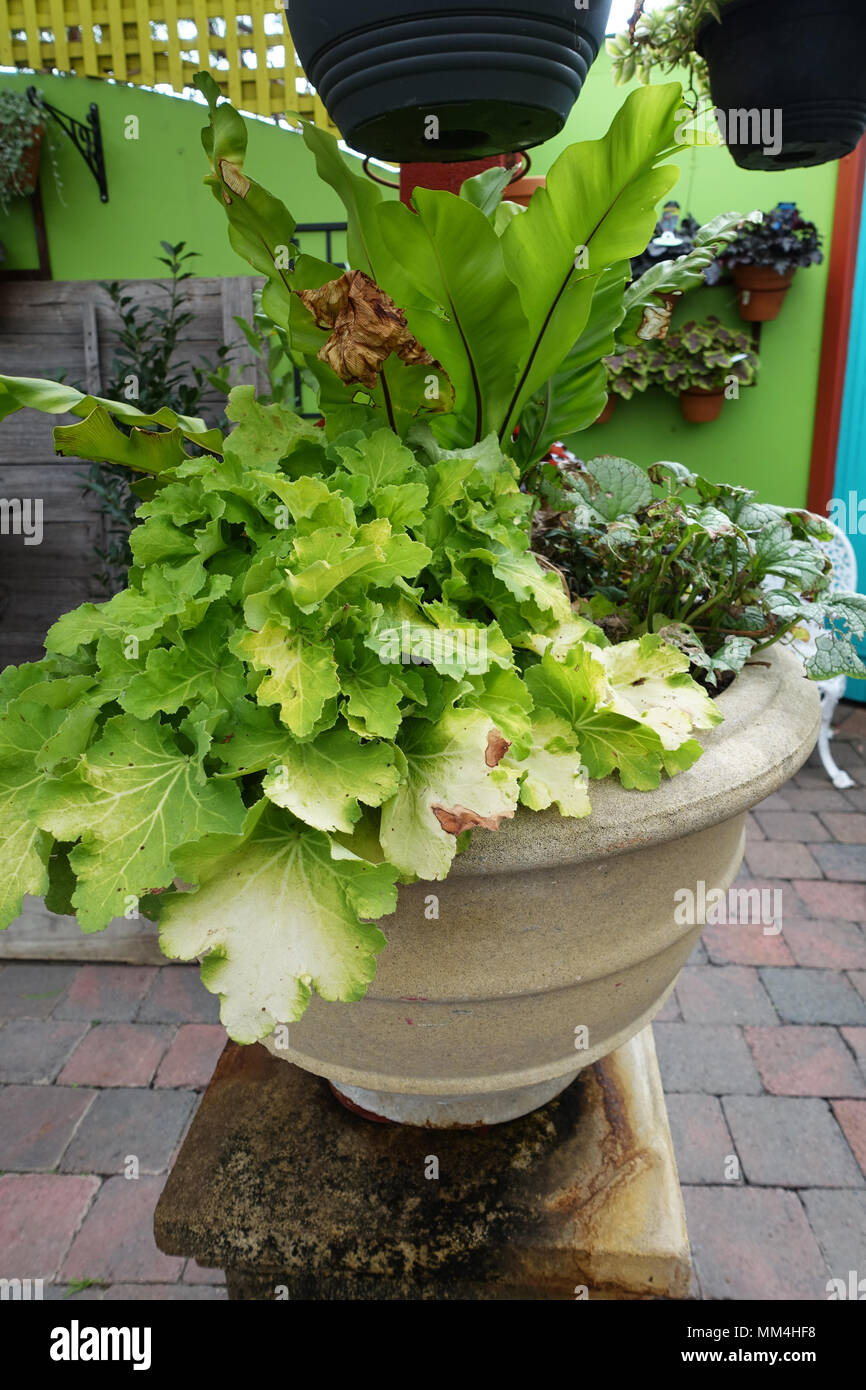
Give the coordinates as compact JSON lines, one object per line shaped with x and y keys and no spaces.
{"x":246,"y":49}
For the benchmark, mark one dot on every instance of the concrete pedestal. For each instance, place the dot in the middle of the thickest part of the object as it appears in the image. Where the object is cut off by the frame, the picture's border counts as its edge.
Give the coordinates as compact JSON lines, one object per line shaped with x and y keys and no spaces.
{"x":296,"y":1197}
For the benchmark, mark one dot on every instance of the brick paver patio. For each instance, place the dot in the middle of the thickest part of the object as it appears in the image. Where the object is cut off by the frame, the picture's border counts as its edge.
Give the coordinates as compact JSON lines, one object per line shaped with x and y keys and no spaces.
{"x":762,"y":1050}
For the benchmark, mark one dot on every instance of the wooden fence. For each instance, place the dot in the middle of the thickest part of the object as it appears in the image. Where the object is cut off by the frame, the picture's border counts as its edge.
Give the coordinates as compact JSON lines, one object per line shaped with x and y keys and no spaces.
{"x":67,"y":330}
{"x":247,"y":48}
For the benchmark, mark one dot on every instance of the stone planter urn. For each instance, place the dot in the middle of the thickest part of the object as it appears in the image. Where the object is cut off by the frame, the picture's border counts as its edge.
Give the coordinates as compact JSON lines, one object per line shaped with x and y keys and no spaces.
{"x":553,"y":941}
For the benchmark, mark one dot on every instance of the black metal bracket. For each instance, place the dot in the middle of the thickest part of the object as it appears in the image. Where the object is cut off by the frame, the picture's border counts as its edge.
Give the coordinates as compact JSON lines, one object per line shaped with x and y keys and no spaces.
{"x":87,"y":138}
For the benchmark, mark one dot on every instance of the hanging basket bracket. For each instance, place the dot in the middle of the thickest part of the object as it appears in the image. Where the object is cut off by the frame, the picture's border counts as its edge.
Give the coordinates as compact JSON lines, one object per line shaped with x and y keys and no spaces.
{"x":85,"y":136}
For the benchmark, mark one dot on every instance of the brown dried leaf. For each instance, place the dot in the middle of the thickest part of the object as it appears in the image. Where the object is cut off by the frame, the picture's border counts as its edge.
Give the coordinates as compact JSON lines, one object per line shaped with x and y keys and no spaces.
{"x":657,"y":318}
{"x":232,"y":176}
{"x":366,"y":327}
{"x":497,"y":747}
{"x":455,"y":819}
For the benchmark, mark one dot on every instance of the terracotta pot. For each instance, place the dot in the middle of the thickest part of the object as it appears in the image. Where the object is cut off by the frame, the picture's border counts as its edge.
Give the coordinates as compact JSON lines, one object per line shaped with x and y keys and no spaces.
{"x":700,"y":406}
{"x":762,"y":291}
{"x":609,"y":408}
{"x":549,"y":926}
{"x":522,"y":189}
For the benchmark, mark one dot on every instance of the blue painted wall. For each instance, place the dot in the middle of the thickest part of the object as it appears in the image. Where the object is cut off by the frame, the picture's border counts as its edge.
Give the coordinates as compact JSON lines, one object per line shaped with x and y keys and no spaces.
{"x":849,"y":490}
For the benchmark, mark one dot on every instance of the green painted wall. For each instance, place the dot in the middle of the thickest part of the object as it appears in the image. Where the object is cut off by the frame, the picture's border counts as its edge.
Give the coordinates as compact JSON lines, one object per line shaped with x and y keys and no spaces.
{"x":156,"y":191}
{"x":764,"y":439}
{"x":155,"y":188}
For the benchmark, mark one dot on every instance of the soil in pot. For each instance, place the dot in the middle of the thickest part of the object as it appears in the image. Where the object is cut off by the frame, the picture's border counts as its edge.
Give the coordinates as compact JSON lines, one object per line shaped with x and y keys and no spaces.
{"x":798,"y":67}
{"x":411,"y":80}
{"x":762,"y":291}
{"x":608,"y":411}
{"x":700,"y":406}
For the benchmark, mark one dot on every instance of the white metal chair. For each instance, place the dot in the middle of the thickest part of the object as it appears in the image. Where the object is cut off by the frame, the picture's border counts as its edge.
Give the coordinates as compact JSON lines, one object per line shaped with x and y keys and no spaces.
{"x":844,"y":576}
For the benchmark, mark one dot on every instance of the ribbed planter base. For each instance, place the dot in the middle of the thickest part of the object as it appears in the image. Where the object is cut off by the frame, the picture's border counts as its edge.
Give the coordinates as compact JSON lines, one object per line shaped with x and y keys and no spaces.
{"x":453,"y":1112}
{"x":419,"y":81}
{"x":792,"y":75}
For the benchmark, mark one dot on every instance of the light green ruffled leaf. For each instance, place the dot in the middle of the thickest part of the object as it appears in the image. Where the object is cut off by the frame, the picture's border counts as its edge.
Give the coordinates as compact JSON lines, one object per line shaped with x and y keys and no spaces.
{"x":280,"y":916}
{"x":453,"y":782}
{"x":324,"y":781}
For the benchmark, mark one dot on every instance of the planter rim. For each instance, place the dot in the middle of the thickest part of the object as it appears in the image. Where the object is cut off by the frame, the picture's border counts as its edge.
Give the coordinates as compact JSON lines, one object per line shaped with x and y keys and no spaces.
{"x":778,"y":279}
{"x":772,"y":717}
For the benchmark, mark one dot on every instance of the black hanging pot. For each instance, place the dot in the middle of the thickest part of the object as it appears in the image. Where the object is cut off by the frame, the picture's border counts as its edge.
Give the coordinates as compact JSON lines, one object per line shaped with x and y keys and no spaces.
{"x":800,"y":67}
{"x":418,"y":80}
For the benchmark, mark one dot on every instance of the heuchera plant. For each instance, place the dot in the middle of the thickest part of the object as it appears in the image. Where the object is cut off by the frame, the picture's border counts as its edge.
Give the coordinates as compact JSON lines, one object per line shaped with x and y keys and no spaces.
{"x":336,"y":653}
{"x":705,"y":565}
{"x":632,"y":371}
{"x":703,"y":356}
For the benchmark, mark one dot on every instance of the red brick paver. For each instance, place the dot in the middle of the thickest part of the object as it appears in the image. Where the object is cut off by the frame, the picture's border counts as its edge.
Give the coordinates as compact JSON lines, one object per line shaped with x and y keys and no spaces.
{"x":848,"y":828}
{"x":107,"y":993}
{"x":116,"y":1241}
{"x":746,"y":944}
{"x":117,"y":1054}
{"x":781,"y":859}
{"x":805,"y":1061}
{"x":39,"y":1215}
{"x":192,"y":1056}
{"x":37,"y":1123}
{"x":825,"y":899}
{"x":830,"y":944}
{"x":753,"y":1243}
{"x":851,"y":1115}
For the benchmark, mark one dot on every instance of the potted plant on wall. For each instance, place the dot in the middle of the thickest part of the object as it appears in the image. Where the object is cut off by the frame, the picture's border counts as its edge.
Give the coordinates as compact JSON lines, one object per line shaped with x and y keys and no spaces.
{"x":22,"y":127}
{"x":785,"y":74}
{"x":674,"y":237}
{"x":338,"y":668}
{"x":653,"y":294}
{"x":763,"y":260}
{"x":701,"y":363}
{"x":630,"y":372}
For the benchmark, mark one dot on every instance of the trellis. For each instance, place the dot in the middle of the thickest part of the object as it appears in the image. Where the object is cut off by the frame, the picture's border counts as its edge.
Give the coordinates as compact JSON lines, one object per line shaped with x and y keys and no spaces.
{"x":247,"y":49}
